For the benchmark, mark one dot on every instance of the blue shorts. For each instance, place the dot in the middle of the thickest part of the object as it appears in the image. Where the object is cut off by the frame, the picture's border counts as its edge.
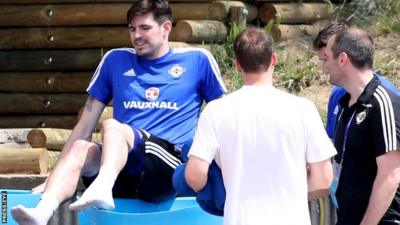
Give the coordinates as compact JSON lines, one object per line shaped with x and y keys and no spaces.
{"x":148,"y":172}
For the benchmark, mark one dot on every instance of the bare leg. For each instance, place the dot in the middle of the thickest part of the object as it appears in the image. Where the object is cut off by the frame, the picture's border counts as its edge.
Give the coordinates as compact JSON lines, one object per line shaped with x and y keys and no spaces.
{"x":117,"y":142}
{"x":61,"y":183}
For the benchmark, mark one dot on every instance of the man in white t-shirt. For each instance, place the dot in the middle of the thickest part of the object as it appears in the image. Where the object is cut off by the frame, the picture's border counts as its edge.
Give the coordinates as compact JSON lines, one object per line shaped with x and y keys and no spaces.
{"x":273,"y":151}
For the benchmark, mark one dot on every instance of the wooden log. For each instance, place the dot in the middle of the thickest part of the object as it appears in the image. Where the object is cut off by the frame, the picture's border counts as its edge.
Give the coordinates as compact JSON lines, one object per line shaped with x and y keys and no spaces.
{"x":37,"y":138}
{"x":199,"y":31}
{"x":54,"y":60}
{"x":31,"y":160}
{"x":13,"y":135}
{"x":36,"y":121}
{"x":251,"y":10}
{"x":174,"y":44}
{"x":14,"y":145}
{"x":24,"y":2}
{"x":52,"y":139}
{"x":200,"y":11}
{"x":50,"y":60}
{"x":21,"y":2}
{"x":108,"y":13}
{"x":238,"y":16}
{"x":63,"y":15}
{"x":45,"y":82}
{"x":285,"y":32}
{"x":21,"y":181}
{"x":14,"y":138}
{"x":293,"y":1}
{"x":64,"y":37}
{"x":293,"y":13}
{"x":11,"y":103}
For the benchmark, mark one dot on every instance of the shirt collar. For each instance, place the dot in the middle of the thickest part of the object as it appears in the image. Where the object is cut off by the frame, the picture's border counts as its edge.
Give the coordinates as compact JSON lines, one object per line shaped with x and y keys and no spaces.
{"x":365,"y":96}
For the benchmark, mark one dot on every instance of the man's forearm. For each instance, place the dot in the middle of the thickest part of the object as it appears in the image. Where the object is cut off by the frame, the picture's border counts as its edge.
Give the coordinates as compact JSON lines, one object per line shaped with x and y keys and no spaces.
{"x":86,"y":124}
{"x":319,"y":178}
{"x":382,"y":195}
{"x":196,"y":173}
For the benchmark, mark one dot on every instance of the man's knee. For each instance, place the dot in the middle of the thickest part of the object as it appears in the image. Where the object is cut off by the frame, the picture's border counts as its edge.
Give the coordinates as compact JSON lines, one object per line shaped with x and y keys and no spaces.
{"x":113,"y":128}
{"x":110,"y":124}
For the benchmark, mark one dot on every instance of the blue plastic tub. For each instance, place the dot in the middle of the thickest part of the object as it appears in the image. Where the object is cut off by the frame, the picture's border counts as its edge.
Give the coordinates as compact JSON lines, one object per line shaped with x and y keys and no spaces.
{"x":179,"y":211}
{"x":11,"y":198}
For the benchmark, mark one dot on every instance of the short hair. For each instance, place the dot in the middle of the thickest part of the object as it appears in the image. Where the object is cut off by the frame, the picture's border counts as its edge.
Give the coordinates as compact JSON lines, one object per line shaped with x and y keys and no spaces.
{"x":357,"y":44}
{"x":328,"y":31}
{"x":253,"y":49}
{"x":159,"y":8}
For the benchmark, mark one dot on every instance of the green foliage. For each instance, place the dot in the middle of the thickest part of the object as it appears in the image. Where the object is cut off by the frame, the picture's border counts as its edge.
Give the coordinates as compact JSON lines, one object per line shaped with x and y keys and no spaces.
{"x":292,"y":73}
{"x":387,"y":65}
{"x":233,"y":32}
{"x":298,"y":70}
{"x":225,"y":58}
{"x":386,"y":24}
{"x":272,"y":24}
{"x":383,"y":14}
{"x":295,"y":72}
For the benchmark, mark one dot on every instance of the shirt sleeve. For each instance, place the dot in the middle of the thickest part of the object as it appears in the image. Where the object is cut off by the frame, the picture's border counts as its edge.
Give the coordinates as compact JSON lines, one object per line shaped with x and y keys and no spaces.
{"x":385,"y":122}
{"x":205,"y":143}
{"x":389,"y":85}
{"x":100,"y":86}
{"x":212,"y":85}
{"x":330,"y":117}
{"x":333,"y":108}
{"x":319,"y":146}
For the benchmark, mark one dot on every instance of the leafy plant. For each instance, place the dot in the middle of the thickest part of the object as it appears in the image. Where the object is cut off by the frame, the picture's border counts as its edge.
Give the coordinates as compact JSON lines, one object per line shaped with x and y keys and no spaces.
{"x":225,"y":58}
{"x":295,"y":73}
{"x":382,"y":13}
{"x":388,"y":66}
{"x":386,"y":24}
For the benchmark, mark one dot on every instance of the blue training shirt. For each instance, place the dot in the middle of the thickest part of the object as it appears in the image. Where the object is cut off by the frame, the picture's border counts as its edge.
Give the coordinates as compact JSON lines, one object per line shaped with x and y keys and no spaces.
{"x":162,"y":96}
{"x":334,"y":107}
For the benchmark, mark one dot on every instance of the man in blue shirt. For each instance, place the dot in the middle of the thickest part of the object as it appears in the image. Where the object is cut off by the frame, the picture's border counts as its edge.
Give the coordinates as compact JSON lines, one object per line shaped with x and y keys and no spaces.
{"x":157,"y":93}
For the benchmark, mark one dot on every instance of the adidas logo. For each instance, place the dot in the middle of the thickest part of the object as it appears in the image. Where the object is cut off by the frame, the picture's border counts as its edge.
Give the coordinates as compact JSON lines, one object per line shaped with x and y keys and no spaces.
{"x":129,"y":73}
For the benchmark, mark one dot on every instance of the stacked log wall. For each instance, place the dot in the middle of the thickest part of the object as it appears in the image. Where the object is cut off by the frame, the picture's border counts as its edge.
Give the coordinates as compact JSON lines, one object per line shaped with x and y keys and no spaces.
{"x":49,"y":50}
{"x":294,"y":19}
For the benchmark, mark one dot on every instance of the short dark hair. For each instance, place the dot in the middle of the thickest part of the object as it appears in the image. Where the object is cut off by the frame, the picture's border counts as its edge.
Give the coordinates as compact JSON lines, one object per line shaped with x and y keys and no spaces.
{"x":357,"y":44}
{"x":253,"y":49}
{"x":328,"y":31}
{"x":160,"y":9}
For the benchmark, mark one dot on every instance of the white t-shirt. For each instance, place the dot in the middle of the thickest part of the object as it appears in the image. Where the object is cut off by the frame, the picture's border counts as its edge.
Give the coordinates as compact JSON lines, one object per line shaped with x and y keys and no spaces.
{"x":264,"y":137}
